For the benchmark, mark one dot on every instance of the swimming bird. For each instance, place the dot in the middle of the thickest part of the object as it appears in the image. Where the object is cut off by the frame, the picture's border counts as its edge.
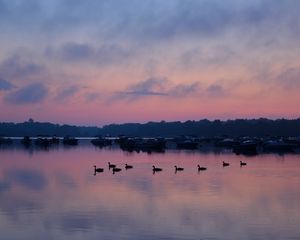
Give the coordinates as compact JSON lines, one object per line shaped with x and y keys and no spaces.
{"x":115,"y":169}
{"x":225,"y":164}
{"x":156,"y":169}
{"x":201,"y":168}
{"x":178,"y":168}
{"x":243,"y":163}
{"x":98,"y":170}
{"x":111,"y":165}
{"x":128,"y":166}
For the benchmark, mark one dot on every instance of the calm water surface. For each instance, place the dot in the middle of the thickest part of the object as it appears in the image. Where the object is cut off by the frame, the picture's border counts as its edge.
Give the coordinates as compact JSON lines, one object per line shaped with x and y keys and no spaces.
{"x":55,"y":195}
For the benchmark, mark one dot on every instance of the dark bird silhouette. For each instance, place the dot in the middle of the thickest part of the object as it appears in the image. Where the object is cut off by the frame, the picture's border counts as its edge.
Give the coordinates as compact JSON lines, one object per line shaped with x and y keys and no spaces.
{"x":178,"y":168}
{"x":115,"y":169}
{"x":201,"y":168}
{"x":243,"y":163}
{"x":111,"y":165}
{"x":156,"y":169}
{"x":128,"y":166}
{"x":98,"y":170}
{"x":225,"y":164}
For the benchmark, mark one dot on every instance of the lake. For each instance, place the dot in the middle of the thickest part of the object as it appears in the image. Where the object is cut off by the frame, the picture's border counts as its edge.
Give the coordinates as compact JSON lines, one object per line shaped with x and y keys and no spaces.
{"x":54,"y":194}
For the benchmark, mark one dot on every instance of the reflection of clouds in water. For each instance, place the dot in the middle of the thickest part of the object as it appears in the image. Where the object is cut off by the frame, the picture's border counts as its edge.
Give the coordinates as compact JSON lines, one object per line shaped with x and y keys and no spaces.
{"x":4,"y":186}
{"x":129,"y":205}
{"x":166,"y":217}
{"x":217,"y":204}
{"x":28,"y":178}
{"x":14,"y":205}
{"x":102,"y":218}
{"x":14,"y":202}
{"x":65,"y":180}
{"x":141,"y":184}
{"x":76,"y":222}
{"x":157,"y":224}
{"x":215,"y":185}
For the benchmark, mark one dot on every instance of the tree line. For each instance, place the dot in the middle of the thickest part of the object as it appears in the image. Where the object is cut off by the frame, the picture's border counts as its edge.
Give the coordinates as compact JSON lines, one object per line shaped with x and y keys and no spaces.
{"x":202,"y":128}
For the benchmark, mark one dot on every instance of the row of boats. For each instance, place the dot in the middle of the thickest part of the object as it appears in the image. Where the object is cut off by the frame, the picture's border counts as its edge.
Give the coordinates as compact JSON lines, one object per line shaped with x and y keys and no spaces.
{"x":41,"y":141}
{"x":154,"y":168}
{"x":241,"y":145}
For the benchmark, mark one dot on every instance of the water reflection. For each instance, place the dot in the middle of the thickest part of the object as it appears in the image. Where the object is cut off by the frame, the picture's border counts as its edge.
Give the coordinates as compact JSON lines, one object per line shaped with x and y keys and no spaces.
{"x":55,"y":195}
{"x":27,"y":178}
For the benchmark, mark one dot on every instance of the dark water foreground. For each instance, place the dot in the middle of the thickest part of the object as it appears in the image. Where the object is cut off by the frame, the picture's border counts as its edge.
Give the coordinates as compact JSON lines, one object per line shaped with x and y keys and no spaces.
{"x":55,"y":195}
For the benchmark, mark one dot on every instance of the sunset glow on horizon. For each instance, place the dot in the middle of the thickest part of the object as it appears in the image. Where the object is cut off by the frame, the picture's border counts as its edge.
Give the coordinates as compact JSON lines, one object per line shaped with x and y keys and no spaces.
{"x":90,"y":62}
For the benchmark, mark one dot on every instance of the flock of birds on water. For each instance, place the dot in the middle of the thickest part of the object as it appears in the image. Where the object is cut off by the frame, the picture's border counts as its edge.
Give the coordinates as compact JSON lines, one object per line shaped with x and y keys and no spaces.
{"x":154,"y":169}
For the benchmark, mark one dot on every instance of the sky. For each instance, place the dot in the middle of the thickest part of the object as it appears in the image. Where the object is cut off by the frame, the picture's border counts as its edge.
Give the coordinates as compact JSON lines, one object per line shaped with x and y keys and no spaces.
{"x":91,"y":62}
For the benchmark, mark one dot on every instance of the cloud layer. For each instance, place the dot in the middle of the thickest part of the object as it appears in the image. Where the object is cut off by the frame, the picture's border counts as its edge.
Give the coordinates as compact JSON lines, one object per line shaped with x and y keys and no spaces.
{"x":5,"y":85}
{"x":231,"y":56}
{"x":159,"y":87}
{"x":33,"y":93}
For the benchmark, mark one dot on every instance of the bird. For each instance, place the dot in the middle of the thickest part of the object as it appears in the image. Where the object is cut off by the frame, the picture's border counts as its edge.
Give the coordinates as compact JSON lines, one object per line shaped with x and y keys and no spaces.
{"x":111,"y":165}
{"x":128,"y":166}
{"x":115,"y":169}
{"x":225,"y":164}
{"x":243,"y":163}
{"x":201,"y":168}
{"x":178,"y":168}
{"x":156,"y":169}
{"x":98,"y":170}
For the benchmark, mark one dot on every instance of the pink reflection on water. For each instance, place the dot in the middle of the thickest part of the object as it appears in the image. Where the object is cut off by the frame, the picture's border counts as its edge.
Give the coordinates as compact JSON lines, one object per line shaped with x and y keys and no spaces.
{"x":58,"y":192}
